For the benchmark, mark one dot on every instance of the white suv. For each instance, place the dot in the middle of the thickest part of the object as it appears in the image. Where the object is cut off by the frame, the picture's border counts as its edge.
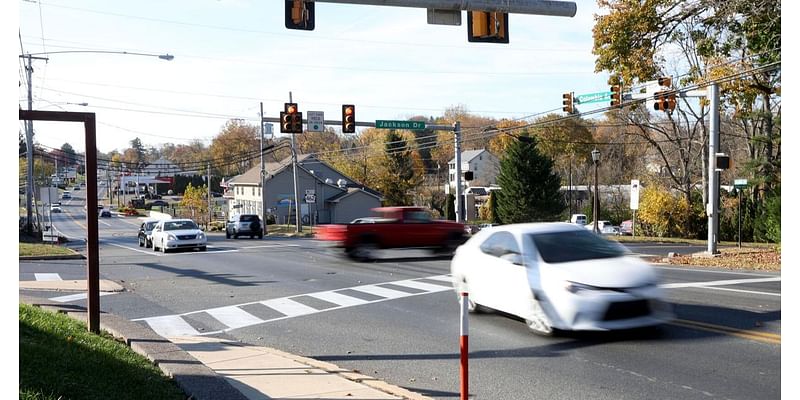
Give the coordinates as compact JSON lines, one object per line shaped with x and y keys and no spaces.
{"x":243,"y":224}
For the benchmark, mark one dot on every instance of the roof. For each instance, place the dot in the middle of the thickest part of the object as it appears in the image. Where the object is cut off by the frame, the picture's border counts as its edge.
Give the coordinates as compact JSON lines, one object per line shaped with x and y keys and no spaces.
{"x":252,"y":176}
{"x":467,"y":156}
{"x":350,"y":191}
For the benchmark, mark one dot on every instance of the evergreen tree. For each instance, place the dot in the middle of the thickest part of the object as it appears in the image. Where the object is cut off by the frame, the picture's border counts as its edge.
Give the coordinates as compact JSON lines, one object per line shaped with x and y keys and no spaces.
{"x":494,"y":217}
{"x":530,"y":188}
{"x":399,"y":177}
{"x":450,"y":207}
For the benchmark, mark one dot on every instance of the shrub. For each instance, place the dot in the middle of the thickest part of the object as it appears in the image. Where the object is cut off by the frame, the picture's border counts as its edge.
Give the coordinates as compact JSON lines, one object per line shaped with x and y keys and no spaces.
{"x":661,"y":213}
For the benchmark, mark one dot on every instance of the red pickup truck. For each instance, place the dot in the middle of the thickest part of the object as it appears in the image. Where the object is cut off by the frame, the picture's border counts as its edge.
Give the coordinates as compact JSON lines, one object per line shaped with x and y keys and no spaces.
{"x":392,"y":228}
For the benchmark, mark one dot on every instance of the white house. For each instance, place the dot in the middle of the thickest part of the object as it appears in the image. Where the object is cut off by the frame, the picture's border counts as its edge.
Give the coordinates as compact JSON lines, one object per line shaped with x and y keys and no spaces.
{"x":483,"y":165}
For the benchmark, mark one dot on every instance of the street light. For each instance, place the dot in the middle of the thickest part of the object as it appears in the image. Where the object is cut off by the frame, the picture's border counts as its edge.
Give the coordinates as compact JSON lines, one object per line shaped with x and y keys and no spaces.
{"x":596,"y":205}
{"x":29,"y":124}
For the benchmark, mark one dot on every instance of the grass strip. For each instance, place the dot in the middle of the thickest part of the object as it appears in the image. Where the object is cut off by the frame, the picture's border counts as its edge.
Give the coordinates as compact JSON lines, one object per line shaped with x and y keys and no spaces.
{"x":60,"y":359}
{"x":40,"y":249}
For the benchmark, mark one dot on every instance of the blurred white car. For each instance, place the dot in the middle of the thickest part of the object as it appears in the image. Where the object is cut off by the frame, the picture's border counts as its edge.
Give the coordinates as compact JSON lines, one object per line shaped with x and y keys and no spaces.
{"x":175,"y":234}
{"x":558,"y":276}
{"x":55,"y":208}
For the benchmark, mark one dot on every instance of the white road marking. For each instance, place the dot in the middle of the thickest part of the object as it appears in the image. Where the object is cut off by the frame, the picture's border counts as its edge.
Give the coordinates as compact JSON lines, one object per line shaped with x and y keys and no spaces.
{"x":171,"y":325}
{"x":270,"y":246}
{"x":443,"y":278}
{"x":288,"y":307}
{"x":380,"y":291}
{"x":234,"y":317}
{"x":340,"y":299}
{"x":711,"y":271}
{"x":47,"y":277}
{"x":74,"y":297}
{"x":744,"y":291}
{"x":104,"y":223}
{"x":719,"y":283}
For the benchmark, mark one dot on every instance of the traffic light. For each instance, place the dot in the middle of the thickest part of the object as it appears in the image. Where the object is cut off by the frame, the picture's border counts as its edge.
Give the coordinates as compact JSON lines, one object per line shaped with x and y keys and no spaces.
{"x":348,"y":118}
{"x":469,"y":175}
{"x":723,"y":161}
{"x":665,"y":101}
{"x":300,"y":15}
{"x":568,"y":104}
{"x":291,"y":119}
{"x":616,"y":96}
{"x":665,"y":81}
{"x":487,"y":27}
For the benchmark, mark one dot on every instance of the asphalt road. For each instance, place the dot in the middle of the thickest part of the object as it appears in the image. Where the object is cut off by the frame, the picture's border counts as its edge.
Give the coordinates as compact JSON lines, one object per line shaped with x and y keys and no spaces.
{"x":723,"y":345}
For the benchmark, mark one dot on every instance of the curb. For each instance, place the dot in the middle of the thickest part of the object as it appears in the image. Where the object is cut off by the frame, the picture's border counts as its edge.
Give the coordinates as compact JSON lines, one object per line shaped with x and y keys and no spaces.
{"x":196,"y":380}
{"x":58,"y":257}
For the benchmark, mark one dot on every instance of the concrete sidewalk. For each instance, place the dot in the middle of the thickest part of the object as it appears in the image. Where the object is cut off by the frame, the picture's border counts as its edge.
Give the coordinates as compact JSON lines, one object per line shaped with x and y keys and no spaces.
{"x":208,"y":368}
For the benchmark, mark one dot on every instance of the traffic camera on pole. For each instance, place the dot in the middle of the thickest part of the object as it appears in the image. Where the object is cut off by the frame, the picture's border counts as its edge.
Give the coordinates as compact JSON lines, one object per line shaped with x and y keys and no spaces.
{"x":616,"y":96}
{"x":348,"y":118}
{"x":487,"y":27}
{"x":569,"y":107}
{"x":300,"y":15}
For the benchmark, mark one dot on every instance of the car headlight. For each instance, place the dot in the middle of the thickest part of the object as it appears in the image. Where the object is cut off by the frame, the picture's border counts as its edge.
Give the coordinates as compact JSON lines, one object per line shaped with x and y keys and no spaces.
{"x":171,"y":237}
{"x":574,"y":287}
{"x":201,"y":235}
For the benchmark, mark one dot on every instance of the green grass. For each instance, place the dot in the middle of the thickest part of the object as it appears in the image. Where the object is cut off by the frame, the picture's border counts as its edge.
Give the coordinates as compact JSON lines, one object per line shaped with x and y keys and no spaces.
{"x":60,"y":359}
{"x":699,"y":242}
{"x":39,"y":249}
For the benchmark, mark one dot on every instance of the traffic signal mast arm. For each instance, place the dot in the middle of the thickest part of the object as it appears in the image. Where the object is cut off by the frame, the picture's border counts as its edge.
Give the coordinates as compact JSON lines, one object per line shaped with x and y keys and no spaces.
{"x":533,"y":7}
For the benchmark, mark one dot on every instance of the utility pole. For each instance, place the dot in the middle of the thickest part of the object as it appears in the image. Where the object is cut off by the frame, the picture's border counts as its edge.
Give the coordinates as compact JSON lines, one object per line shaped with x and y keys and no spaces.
{"x":294,"y":177}
{"x":712,"y":208}
{"x":29,"y":144}
{"x":263,"y":178}
{"x":457,"y":136}
{"x":208,"y":188}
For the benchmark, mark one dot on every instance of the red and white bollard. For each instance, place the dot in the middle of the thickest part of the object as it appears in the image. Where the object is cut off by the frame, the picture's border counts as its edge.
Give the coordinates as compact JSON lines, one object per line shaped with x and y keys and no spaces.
{"x":464,"y":346}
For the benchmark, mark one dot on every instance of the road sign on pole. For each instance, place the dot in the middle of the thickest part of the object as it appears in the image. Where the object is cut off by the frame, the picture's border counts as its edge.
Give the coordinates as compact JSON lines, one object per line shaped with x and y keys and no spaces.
{"x":413,"y":125}
{"x":311,"y":196}
{"x":634,"y":194}
{"x":316,"y":121}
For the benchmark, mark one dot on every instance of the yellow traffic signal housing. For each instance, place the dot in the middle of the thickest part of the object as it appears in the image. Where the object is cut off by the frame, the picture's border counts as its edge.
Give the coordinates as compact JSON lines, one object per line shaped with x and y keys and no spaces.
{"x":487,"y":27}
{"x":291,"y":119}
{"x":665,"y":81}
{"x":567,"y":101}
{"x":664,"y":101}
{"x":348,"y":118}
{"x":299,"y":15}
{"x":616,"y":96}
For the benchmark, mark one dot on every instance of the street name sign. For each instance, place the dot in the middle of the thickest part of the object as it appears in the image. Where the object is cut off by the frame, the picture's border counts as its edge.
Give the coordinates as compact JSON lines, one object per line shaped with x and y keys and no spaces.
{"x":740,"y":183}
{"x":386,"y":124}
{"x":593,"y":98}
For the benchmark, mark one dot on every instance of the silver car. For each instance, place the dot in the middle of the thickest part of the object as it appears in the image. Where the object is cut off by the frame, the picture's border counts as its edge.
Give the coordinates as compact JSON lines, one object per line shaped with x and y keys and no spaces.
{"x":174,"y":234}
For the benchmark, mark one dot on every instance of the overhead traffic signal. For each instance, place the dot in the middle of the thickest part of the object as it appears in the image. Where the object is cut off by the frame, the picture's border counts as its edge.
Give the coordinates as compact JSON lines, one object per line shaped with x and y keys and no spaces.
{"x":665,"y":81}
{"x":487,"y":27}
{"x":616,"y":96}
{"x":300,"y":15}
{"x":723,"y":161}
{"x":348,"y":118}
{"x":291,"y":119}
{"x":665,"y":101}
{"x":569,"y":107}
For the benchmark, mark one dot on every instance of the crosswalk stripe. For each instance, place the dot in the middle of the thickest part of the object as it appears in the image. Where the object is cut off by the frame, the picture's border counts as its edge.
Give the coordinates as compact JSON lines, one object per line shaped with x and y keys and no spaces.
{"x":422,"y":286}
{"x":171,"y":325}
{"x":234,"y":317}
{"x":380,"y":291}
{"x":288,"y":307}
{"x":74,"y":297}
{"x":443,"y":278}
{"x":338,"y":298}
{"x":47,"y":277}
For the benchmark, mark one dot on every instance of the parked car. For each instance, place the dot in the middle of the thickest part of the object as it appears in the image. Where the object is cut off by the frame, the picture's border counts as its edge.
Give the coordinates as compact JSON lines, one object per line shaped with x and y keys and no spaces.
{"x":146,"y":233}
{"x":174,"y":234}
{"x":55,"y":208}
{"x":66,"y":195}
{"x":156,"y":203}
{"x":610,"y":230}
{"x":558,"y":276}
{"x":579,"y":219}
{"x":601,"y":225}
{"x":243,"y":224}
{"x":76,"y":187}
{"x":626,"y":227}
{"x":105,"y":213}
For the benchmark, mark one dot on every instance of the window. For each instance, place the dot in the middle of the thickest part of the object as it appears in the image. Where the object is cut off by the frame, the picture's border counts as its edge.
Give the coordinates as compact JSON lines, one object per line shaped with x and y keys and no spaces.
{"x":179,"y":225}
{"x":558,"y":247}
{"x":499,"y":244}
{"x":417,"y":217}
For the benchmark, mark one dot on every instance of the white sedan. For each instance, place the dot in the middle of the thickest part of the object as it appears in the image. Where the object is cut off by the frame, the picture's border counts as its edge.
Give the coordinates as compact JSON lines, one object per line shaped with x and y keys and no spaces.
{"x":558,"y":276}
{"x":175,"y":234}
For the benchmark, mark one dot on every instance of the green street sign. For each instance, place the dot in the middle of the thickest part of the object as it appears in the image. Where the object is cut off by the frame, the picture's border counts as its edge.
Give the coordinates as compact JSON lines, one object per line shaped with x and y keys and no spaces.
{"x":593,"y":98}
{"x":740,"y":183}
{"x":413,"y":125}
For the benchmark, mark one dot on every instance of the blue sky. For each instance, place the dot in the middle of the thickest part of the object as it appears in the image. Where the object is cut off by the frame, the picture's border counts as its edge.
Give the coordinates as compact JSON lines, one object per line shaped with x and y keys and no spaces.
{"x":232,"y":54}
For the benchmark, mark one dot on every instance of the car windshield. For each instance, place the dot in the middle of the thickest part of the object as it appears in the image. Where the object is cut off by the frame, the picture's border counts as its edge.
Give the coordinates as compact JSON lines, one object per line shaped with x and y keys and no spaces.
{"x":178,"y":225}
{"x":418,"y":217}
{"x":574,"y":245}
{"x":150,"y":225}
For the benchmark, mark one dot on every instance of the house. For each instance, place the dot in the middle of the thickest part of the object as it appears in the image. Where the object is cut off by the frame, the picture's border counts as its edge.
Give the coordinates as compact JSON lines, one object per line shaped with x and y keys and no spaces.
{"x":162,"y":167}
{"x":325,"y":194}
{"x":483,"y":165}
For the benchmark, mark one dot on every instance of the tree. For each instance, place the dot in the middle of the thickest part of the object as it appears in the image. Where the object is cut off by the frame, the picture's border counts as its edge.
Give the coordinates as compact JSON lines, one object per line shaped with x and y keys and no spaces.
{"x":661,"y":213}
{"x":530,"y":188}
{"x":195,"y":203}
{"x":399,"y":172}
{"x":450,"y":207}
{"x":236,"y":148}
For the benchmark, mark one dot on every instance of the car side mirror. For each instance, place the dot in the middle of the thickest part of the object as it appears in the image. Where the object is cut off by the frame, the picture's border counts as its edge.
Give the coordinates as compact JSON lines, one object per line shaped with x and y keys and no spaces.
{"x":514,"y":258}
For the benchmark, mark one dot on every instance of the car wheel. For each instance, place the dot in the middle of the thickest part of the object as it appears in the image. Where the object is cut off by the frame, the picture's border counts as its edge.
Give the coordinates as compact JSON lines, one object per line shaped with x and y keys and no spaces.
{"x":148,"y":243}
{"x":203,"y":248}
{"x":154,"y":247}
{"x":540,"y":323}
{"x":364,"y":251}
{"x":163,"y":247}
{"x":141,"y":244}
{"x":260,"y":235}
{"x":227,"y":234}
{"x":235,"y":235}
